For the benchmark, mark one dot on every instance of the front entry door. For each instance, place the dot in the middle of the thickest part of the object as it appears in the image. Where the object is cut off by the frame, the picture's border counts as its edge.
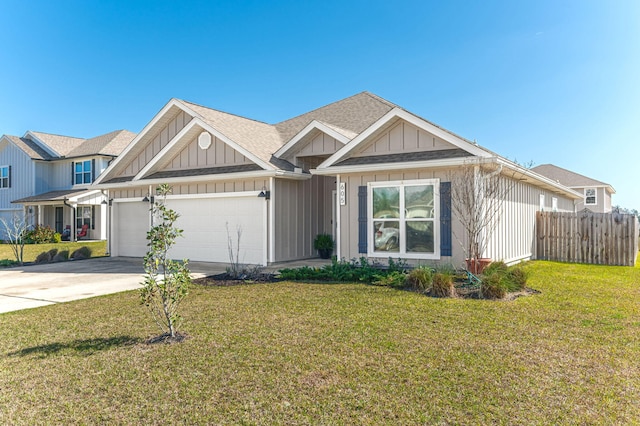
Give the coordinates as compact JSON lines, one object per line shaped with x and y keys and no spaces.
{"x":59,"y":220}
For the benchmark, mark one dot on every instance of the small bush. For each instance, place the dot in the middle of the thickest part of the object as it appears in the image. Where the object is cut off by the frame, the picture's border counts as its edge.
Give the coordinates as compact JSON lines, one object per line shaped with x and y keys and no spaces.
{"x":61,"y":256}
{"x":443,"y":285}
{"x":393,"y":279}
{"x":494,"y":286}
{"x":517,"y":278}
{"x":7,"y":262}
{"x":498,"y":267}
{"x":41,"y":235}
{"x":420,"y":279}
{"x":83,"y":252}
{"x":47,"y":256}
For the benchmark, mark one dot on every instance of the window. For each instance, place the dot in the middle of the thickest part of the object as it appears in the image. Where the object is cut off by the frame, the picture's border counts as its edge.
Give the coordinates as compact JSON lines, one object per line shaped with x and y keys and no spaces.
{"x":84,"y":216}
{"x":554,"y":204}
{"x":541,"y":202}
{"x":403,"y":219}
{"x":590,"y":196}
{"x":82,"y":172}
{"x":5,"y":176}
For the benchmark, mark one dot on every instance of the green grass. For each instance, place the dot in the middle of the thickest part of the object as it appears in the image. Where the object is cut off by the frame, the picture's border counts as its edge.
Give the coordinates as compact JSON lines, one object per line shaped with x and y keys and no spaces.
{"x":291,"y":353}
{"x":31,"y":251}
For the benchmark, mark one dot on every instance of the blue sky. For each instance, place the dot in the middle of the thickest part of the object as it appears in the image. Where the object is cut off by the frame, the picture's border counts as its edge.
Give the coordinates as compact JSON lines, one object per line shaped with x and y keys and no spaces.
{"x":536,"y":81}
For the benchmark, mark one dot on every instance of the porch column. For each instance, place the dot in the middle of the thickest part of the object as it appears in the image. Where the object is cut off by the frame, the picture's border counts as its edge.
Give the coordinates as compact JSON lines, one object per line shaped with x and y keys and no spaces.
{"x":39,"y":215}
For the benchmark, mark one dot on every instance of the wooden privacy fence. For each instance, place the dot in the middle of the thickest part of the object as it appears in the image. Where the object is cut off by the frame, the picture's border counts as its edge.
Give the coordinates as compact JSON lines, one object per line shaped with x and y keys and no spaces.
{"x":587,"y":237}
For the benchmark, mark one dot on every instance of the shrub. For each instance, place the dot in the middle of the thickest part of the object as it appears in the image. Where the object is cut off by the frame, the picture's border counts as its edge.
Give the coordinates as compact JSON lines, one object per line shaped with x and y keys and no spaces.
{"x":61,"y":256}
{"x":495,"y":267}
{"x":42,"y":235}
{"x":494,"y":286}
{"x":517,"y":278}
{"x":420,"y":279}
{"x":393,"y":279}
{"x":46,"y":256}
{"x":442,"y":285}
{"x":83,"y":252}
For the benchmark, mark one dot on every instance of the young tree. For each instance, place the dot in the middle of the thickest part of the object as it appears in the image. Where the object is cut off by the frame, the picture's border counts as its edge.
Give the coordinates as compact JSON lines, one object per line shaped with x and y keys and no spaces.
{"x":16,"y":229}
{"x":167,"y":281}
{"x":478,"y":192}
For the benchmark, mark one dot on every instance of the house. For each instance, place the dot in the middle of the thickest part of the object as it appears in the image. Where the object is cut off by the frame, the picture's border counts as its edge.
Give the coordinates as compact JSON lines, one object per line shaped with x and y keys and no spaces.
{"x":271,"y":188}
{"x":596,"y":194}
{"x":47,"y":178}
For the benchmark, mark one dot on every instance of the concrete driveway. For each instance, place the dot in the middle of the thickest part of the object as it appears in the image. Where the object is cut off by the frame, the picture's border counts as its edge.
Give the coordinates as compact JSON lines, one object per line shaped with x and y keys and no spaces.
{"x":39,"y":285}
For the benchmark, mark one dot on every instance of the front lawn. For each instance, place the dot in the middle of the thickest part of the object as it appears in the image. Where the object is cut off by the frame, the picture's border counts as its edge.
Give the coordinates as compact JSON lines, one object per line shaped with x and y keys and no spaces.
{"x":31,"y":251}
{"x":290,"y":353}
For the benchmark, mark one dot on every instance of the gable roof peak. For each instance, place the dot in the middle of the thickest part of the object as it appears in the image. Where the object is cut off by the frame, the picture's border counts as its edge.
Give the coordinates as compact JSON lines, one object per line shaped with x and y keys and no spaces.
{"x":193,"y":104}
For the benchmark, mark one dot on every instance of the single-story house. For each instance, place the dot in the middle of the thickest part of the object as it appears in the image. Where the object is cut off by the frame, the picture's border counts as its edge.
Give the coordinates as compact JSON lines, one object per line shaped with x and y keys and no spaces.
{"x":596,"y":194}
{"x":372,"y":174}
{"x":46,"y":178}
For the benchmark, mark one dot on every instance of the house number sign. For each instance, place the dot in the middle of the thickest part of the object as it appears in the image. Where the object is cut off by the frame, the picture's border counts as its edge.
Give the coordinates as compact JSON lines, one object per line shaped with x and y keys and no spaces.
{"x":343,"y":193}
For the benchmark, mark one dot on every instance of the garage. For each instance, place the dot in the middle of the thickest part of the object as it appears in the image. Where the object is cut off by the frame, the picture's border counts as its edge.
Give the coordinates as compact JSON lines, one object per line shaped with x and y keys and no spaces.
{"x":205,"y":221}
{"x":132,"y":223}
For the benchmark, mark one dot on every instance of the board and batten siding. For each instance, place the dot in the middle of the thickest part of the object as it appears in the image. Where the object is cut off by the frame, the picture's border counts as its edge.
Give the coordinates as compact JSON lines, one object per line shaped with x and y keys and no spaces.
{"x":217,"y":155}
{"x":302,"y":210}
{"x":348,"y":221}
{"x":22,"y":176}
{"x":514,"y":237}
{"x":401,"y":138}
{"x":320,"y":144}
{"x":159,"y":141}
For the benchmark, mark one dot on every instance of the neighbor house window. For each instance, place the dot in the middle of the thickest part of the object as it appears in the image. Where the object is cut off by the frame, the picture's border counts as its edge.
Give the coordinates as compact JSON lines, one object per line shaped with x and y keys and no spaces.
{"x":5,"y":177}
{"x":590,"y":196}
{"x":403,"y":218}
{"x":82,"y":172}
{"x":84,"y":216}
{"x":541,"y":202}
{"x":554,"y":204}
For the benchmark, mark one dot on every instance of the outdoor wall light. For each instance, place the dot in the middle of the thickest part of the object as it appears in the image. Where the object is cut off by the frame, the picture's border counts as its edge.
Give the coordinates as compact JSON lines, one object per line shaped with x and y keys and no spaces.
{"x":148,"y":199}
{"x":265,"y":194}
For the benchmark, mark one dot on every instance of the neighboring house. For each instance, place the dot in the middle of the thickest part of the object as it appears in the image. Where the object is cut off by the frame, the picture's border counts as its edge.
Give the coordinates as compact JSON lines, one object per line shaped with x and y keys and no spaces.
{"x":47,"y":177}
{"x":596,"y":194}
{"x":280,"y":185}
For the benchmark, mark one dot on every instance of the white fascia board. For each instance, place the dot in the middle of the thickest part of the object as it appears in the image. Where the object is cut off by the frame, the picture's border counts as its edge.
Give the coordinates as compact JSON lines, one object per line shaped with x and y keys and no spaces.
{"x":364,"y":168}
{"x":292,"y":175}
{"x":605,"y":186}
{"x":172,"y":103}
{"x":545,"y":181}
{"x":412,"y":119}
{"x":41,"y":143}
{"x":190,"y":179}
{"x":150,"y":166}
{"x":315,"y":124}
{"x":234,"y":145}
{"x":88,"y":194}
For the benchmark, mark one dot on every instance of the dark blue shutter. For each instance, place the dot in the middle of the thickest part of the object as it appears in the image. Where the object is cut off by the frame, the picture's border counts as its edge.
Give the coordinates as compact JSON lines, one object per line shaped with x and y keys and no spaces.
{"x":362,"y":219}
{"x":73,"y":165}
{"x":9,"y":183}
{"x":445,"y":219}
{"x":93,"y":217}
{"x":93,"y":170}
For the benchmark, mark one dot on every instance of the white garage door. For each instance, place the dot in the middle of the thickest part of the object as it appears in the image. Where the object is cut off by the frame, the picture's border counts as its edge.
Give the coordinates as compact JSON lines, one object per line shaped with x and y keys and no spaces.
{"x":204,"y":222}
{"x":131,"y":222}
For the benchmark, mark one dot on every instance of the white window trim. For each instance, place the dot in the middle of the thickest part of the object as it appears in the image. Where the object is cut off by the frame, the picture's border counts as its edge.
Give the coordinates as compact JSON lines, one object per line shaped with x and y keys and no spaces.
{"x":8,"y":176}
{"x":75,"y":173}
{"x":595,"y":197}
{"x":436,"y":221}
{"x":554,"y":204}
{"x":541,"y":202}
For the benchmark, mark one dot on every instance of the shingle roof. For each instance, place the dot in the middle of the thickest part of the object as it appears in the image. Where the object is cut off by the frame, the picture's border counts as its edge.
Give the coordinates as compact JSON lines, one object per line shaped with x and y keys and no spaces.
{"x":566,"y":177}
{"x":59,"y":143}
{"x":32,"y":149}
{"x":109,"y":144}
{"x":442,"y":154}
{"x":51,"y":196}
{"x":260,"y":139}
{"x":353,"y":114}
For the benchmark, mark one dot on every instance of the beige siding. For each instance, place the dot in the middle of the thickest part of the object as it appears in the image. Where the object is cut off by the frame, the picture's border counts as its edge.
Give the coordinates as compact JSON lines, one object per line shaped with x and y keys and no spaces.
{"x":404,"y":137}
{"x":302,"y":211}
{"x":603,"y":200}
{"x":218,"y":154}
{"x":321,"y":144}
{"x":514,"y":236}
{"x":159,"y":141}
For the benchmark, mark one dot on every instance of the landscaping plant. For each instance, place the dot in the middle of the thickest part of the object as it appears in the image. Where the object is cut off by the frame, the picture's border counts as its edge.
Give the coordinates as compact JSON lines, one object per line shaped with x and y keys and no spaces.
{"x":167,"y":281}
{"x":15,"y":231}
{"x":442,"y":285}
{"x":420,"y":279}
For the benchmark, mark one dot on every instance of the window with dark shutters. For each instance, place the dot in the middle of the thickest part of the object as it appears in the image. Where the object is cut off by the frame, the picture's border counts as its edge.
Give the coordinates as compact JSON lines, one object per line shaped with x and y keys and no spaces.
{"x":445,"y":219}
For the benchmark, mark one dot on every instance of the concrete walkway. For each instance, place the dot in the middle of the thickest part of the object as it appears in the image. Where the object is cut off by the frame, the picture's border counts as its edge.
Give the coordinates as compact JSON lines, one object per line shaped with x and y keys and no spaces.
{"x":40,"y":285}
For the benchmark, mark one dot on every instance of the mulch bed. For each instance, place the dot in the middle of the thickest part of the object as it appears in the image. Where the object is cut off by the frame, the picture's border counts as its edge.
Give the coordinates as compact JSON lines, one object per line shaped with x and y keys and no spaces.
{"x":226,"y":280}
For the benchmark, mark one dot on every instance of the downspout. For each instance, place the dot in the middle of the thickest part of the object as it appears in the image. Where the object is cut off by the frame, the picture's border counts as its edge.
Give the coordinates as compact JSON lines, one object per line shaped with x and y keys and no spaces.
{"x":72,"y":237}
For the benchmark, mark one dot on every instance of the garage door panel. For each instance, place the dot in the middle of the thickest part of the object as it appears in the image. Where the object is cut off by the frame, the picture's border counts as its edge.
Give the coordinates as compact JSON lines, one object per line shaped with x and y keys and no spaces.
{"x":132,"y":224}
{"x":205,"y":221}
